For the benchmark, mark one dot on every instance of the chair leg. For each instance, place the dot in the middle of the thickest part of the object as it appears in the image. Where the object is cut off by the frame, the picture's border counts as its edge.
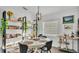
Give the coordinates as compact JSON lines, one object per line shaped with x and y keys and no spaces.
{"x":41,"y":51}
{"x":47,"y":51}
{"x":50,"y":51}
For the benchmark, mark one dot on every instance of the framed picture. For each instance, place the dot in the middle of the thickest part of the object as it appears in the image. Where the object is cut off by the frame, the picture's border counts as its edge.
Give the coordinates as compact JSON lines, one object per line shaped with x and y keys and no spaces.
{"x":68,"y":19}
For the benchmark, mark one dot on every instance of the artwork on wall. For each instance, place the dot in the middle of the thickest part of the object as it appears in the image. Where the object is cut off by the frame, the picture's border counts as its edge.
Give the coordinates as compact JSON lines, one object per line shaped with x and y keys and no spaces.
{"x":68,"y":19}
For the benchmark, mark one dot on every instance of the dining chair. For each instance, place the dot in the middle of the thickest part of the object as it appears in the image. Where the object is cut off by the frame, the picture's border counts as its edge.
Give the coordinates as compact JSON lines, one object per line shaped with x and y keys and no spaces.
{"x":40,"y":35}
{"x":47,"y":47}
{"x":23,"y":48}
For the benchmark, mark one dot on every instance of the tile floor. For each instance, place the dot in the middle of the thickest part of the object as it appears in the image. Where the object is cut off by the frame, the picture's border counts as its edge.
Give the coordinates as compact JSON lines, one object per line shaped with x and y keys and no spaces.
{"x":16,"y":50}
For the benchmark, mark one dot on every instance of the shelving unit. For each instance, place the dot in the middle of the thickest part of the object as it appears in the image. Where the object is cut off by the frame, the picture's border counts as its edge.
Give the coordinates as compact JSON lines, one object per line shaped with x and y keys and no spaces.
{"x":14,"y":31}
{"x":13,"y":34}
{"x":65,"y":42}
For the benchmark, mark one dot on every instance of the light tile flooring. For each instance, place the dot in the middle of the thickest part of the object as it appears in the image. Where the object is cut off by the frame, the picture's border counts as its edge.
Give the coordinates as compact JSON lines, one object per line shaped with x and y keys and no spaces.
{"x":16,"y":50}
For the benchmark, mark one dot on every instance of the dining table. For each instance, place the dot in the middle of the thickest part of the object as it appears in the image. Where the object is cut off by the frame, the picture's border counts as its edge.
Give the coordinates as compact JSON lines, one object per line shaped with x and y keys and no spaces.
{"x":34,"y":44}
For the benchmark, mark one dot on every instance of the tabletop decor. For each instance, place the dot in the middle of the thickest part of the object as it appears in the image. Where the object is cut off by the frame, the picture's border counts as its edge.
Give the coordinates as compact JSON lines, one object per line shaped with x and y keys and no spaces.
{"x":68,"y":19}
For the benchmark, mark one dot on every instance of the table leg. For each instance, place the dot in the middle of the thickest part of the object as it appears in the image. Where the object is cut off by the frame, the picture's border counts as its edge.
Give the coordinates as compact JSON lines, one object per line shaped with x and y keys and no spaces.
{"x":36,"y":50}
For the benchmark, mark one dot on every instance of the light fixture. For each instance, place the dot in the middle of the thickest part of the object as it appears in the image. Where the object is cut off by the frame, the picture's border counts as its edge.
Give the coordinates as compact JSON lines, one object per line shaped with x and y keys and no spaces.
{"x":38,"y":17}
{"x":38,"y":14}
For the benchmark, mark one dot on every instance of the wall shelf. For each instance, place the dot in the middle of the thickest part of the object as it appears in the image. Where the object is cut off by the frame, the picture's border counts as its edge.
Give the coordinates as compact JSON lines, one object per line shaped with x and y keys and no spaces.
{"x":14,"y":28}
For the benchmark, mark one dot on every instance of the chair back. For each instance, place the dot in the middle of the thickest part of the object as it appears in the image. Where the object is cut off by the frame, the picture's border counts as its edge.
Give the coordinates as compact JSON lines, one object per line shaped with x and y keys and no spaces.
{"x":39,"y":35}
{"x":44,"y":36}
{"x":23,"y":48}
{"x":49,"y":45}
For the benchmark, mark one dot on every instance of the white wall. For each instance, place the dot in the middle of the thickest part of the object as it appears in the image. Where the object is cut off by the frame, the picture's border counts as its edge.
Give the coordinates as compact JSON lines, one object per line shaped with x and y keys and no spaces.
{"x":59,"y":17}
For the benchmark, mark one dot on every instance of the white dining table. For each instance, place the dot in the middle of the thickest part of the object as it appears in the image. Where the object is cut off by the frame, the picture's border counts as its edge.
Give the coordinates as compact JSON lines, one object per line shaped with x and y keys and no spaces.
{"x":35,"y":44}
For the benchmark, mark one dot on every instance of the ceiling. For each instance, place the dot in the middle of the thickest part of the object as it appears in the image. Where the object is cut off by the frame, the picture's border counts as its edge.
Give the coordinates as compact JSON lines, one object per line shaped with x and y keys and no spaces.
{"x":44,"y":10}
{"x":49,"y":9}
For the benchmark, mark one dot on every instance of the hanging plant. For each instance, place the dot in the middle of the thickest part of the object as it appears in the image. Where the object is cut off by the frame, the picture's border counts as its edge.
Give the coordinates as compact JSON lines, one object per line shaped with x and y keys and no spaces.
{"x":27,"y":24}
{"x":3,"y":26}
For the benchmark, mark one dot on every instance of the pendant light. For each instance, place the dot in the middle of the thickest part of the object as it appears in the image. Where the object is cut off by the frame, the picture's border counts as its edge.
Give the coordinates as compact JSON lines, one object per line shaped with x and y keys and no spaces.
{"x":38,"y":17}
